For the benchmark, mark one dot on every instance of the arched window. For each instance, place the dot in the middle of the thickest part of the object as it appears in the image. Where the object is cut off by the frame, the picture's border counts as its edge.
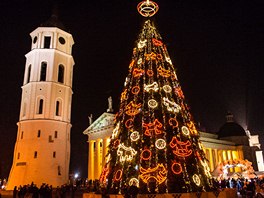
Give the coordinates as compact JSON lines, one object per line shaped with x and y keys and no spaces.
{"x":58,"y":108}
{"x":61,"y":74}
{"x":28,"y":73}
{"x":40,"y":106}
{"x":43,"y":71}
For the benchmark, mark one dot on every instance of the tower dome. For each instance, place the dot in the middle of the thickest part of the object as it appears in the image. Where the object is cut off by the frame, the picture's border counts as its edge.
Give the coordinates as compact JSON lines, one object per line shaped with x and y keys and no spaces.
{"x":231,"y":128}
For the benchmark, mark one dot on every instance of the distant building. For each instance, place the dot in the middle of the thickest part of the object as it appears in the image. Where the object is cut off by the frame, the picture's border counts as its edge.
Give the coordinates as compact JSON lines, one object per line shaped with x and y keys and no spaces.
{"x":42,"y":149}
{"x":231,"y":144}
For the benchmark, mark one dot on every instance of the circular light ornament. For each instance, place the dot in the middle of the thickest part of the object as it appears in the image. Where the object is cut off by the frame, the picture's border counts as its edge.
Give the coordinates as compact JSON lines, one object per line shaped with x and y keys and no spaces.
{"x":167,"y":88}
{"x":196,"y":179}
{"x":147,"y":8}
{"x":160,"y":143}
{"x":132,"y":181}
{"x":176,"y":168}
{"x":152,"y":103}
{"x":134,"y":136}
{"x":146,"y":154}
{"x":185,"y":130}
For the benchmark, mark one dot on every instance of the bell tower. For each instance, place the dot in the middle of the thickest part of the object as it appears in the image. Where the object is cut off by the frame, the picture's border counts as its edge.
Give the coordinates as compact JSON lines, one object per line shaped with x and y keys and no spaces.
{"x":42,"y":149}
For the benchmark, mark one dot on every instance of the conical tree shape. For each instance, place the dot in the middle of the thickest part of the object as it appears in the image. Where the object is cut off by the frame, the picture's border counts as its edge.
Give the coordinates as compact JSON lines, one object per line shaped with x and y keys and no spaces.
{"x":154,"y":143}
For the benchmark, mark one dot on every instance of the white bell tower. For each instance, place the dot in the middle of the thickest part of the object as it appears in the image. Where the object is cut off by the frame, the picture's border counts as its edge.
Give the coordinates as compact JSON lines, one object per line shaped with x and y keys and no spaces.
{"x":42,"y":149}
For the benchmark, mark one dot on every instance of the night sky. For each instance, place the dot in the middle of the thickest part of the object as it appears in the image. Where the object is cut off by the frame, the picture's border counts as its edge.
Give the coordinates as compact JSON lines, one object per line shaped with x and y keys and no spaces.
{"x":217,"y":48}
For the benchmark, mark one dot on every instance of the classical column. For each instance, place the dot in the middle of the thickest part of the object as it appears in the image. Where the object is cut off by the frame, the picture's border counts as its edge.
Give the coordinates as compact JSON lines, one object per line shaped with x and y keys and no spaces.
{"x":211,"y":160}
{"x":229,"y":157}
{"x":105,"y":149}
{"x":216,"y":158}
{"x":224,"y":155}
{"x":98,"y":159}
{"x":91,"y":160}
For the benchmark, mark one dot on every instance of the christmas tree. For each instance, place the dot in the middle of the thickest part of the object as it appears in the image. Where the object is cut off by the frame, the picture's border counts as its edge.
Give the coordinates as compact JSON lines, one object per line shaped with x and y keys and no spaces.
{"x":154,"y":144}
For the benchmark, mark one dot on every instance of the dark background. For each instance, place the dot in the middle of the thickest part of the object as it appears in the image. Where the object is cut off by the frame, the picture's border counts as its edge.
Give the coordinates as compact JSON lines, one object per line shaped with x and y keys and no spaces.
{"x":216,"y":46}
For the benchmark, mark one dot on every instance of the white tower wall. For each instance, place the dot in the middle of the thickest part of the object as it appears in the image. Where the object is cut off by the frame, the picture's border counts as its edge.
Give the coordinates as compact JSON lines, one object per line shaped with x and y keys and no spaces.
{"x":42,"y":149}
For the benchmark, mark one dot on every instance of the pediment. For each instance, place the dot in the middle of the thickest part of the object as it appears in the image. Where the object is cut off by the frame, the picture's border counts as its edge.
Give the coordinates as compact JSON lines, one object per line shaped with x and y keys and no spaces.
{"x":104,"y":121}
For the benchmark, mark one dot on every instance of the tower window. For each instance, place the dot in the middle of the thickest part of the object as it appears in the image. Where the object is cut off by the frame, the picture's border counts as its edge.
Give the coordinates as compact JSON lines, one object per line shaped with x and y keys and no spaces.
{"x":39,"y":133}
{"x":54,"y":154}
{"x":59,"y":170}
{"x":40,"y":109}
{"x":43,"y":71}
{"x":22,"y":134}
{"x":62,"y":40}
{"x":35,"y":39}
{"x":35,"y":154}
{"x":61,"y":74}
{"x":18,"y":156}
{"x":28,"y":73}
{"x":58,"y":108}
{"x":24,"y":109}
{"x":47,"y":40}
{"x":56,"y":134}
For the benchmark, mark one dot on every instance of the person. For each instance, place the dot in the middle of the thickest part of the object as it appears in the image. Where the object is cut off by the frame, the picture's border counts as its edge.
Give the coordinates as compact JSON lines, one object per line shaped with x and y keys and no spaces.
{"x":133,"y":190}
{"x":15,"y":192}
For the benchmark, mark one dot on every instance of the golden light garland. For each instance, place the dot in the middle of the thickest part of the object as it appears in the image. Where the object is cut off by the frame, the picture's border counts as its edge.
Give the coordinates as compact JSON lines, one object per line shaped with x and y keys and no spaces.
{"x":151,"y":87}
{"x":147,"y":8}
{"x":171,"y":106}
{"x":159,"y":173}
{"x":133,"y":109}
{"x":125,"y":153}
{"x":164,"y":72}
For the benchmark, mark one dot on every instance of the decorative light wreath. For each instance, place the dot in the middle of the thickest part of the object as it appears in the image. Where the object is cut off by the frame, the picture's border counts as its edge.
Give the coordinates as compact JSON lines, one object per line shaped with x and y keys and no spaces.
{"x":196,"y":179}
{"x":134,"y":136}
{"x":152,"y":103}
{"x":147,"y":8}
{"x":160,"y":143}
{"x":185,"y":130}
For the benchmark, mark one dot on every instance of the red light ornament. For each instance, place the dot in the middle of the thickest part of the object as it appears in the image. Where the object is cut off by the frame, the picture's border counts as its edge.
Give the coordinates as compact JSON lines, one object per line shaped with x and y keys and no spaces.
{"x":118,"y":175}
{"x":176,"y":168}
{"x":157,"y":42}
{"x":152,"y":127}
{"x":146,"y":154}
{"x":181,"y":148}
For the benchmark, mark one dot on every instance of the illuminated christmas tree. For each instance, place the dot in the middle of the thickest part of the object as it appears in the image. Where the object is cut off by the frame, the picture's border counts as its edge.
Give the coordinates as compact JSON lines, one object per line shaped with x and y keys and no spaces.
{"x":154,"y":143}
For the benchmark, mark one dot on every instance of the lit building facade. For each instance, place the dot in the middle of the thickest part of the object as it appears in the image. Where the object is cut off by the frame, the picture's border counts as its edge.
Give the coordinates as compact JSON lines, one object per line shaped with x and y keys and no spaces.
{"x":42,"y":148}
{"x":232,"y":143}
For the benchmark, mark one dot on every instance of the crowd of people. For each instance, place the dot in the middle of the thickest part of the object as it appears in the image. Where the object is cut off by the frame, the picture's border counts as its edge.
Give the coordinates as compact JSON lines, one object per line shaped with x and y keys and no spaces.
{"x":44,"y":191}
{"x":245,"y":187}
